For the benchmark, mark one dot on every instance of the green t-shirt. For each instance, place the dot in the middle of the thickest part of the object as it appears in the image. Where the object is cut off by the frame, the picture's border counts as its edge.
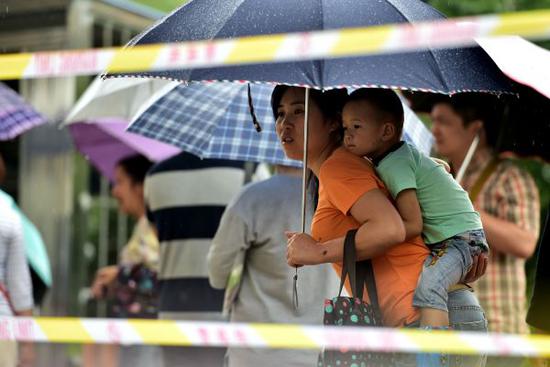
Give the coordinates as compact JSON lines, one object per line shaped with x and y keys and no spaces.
{"x":446,"y":207}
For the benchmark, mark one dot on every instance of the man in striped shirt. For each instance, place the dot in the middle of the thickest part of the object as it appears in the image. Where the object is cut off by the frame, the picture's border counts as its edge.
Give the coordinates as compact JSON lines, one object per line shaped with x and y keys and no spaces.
{"x":186,"y":197}
{"x":508,"y":202}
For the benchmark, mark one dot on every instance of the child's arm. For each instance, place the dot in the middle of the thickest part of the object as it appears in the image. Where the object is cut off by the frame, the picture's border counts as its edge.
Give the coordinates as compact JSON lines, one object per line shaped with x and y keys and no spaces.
{"x":409,"y":209}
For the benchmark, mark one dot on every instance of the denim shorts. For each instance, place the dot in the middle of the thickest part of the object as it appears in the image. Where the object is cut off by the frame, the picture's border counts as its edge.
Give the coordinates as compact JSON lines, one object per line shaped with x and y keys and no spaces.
{"x":447,"y":265}
{"x":465,"y":314}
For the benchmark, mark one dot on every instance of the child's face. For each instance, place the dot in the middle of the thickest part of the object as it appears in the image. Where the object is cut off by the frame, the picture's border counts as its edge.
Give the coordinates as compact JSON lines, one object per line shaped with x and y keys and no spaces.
{"x":362,"y":131}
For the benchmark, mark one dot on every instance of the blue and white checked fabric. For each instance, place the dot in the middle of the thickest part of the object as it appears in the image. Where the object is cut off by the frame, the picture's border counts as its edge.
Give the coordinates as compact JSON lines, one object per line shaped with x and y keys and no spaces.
{"x":213,"y":121}
{"x":16,"y":116}
{"x":415,"y":132}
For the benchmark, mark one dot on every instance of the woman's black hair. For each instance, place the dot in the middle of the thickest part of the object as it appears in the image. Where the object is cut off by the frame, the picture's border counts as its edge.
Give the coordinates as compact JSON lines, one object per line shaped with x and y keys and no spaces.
{"x":136,"y":167}
{"x":330,"y":102}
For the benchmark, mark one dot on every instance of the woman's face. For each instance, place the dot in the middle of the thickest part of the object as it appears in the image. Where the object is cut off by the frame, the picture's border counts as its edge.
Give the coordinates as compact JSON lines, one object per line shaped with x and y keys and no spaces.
{"x":128,"y":194}
{"x":290,"y":126}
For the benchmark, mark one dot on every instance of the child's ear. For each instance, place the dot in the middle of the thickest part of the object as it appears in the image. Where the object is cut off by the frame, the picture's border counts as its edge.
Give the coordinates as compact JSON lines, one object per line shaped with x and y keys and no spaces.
{"x":388,"y":132}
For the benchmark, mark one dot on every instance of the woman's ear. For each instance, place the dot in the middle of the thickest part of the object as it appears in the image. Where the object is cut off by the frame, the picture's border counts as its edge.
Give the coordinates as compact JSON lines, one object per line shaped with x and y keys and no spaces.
{"x":139,"y":188}
{"x":335,"y":125}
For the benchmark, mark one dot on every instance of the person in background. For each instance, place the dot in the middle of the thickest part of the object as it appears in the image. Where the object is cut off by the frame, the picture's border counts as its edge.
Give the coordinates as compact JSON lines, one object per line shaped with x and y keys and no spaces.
{"x":185,"y":198}
{"x":35,"y":248}
{"x":135,"y":275}
{"x":507,"y":199}
{"x":251,"y":234}
{"x":537,"y":315}
{"x":15,"y":281}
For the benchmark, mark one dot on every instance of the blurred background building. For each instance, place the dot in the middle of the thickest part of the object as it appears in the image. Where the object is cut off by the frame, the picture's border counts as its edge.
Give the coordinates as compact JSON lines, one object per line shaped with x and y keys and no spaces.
{"x":59,"y":191}
{"x":66,"y":199}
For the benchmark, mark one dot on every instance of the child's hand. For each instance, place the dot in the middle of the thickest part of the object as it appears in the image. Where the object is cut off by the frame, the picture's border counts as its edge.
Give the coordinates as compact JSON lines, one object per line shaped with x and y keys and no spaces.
{"x":442,"y":163}
{"x":479,"y":265}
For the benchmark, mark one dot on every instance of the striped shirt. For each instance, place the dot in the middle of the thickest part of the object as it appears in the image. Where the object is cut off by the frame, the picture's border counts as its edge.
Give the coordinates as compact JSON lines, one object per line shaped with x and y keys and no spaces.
{"x":185,"y":198}
{"x":510,"y":194}
{"x":14,"y":271}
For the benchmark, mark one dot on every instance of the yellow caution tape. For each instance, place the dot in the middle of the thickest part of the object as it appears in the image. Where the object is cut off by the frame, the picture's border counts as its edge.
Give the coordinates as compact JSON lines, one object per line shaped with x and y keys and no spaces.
{"x":202,"y":334}
{"x":275,"y":48}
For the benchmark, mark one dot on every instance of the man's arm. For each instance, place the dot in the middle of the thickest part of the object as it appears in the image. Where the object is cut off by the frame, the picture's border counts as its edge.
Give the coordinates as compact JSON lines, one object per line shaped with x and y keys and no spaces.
{"x":230,"y":239}
{"x":508,"y":237}
{"x":409,"y":210}
{"x":514,"y":228}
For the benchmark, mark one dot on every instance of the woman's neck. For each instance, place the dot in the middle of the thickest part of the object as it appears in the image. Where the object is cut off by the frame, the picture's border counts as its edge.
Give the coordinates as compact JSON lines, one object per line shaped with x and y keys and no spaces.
{"x":139,"y":211}
{"x":315,"y":163}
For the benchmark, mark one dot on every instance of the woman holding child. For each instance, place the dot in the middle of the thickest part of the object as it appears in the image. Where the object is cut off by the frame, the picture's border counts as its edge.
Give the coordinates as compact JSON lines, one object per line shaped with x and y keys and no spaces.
{"x":352,"y":196}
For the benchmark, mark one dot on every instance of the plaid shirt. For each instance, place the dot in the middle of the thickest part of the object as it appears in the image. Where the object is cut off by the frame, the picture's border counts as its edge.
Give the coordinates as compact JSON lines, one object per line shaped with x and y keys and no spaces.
{"x":510,"y":194}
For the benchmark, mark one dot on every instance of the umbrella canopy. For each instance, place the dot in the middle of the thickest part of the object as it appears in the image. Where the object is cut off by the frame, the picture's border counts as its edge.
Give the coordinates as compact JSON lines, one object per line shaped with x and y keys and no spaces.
{"x":520,"y":123}
{"x":526,"y":121}
{"x":16,"y":115}
{"x":106,"y":143}
{"x":214,"y":121}
{"x":443,"y":71}
{"x":520,"y":60}
{"x":115,"y":98}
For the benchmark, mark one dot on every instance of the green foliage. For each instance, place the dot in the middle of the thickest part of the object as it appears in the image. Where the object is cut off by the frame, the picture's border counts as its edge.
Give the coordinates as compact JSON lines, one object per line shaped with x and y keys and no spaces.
{"x":456,"y":8}
{"x":162,"y":5}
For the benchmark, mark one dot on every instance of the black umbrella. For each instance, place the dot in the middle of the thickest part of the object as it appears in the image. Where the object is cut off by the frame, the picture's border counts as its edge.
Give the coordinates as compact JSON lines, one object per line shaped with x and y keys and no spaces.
{"x":436,"y":70}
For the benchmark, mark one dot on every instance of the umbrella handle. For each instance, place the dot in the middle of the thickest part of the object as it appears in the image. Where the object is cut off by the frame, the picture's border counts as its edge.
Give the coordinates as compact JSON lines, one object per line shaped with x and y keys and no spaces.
{"x":304,"y":160}
{"x":467,"y":159}
{"x":304,"y":192}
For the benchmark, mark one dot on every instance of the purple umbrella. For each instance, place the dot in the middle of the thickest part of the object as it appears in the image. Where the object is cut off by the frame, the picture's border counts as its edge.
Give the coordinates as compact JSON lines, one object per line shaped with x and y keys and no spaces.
{"x":106,"y":142}
{"x":16,"y":115}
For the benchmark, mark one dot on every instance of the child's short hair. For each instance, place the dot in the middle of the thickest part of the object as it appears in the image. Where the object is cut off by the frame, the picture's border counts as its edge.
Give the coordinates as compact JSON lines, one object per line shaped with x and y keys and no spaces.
{"x":386,"y":102}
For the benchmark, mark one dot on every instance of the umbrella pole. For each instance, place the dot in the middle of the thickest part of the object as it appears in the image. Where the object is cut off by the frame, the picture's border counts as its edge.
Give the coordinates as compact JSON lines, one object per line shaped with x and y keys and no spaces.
{"x":467,"y":159}
{"x":304,"y":189}
{"x":305,"y":169}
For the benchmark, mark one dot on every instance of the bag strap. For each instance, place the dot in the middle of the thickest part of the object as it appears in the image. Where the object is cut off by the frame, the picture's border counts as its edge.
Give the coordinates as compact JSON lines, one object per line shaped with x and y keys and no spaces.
{"x":480,"y":182}
{"x":366,"y":276}
{"x":348,"y":262}
{"x":360,"y":273}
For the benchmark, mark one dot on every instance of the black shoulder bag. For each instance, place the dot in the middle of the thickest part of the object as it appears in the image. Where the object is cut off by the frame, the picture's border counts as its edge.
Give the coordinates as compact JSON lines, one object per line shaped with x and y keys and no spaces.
{"x":353,"y":311}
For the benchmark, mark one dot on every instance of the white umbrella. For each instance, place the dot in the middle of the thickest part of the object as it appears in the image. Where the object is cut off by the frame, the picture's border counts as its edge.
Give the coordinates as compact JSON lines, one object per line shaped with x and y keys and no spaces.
{"x":520,"y":60}
{"x":117,"y":98}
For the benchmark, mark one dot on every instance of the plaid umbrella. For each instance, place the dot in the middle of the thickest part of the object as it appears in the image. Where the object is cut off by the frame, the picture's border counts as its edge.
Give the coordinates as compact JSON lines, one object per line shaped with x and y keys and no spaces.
{"x":16,"y":115}
{"x":214,"y":121}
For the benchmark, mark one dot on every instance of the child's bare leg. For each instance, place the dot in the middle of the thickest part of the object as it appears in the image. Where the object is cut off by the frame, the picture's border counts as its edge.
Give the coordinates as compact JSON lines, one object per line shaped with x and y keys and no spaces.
{"x":433,"y":317}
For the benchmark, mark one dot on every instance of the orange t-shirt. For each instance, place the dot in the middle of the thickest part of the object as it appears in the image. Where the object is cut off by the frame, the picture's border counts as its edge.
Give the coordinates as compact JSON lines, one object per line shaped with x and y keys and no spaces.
{"x":343,"y":179}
